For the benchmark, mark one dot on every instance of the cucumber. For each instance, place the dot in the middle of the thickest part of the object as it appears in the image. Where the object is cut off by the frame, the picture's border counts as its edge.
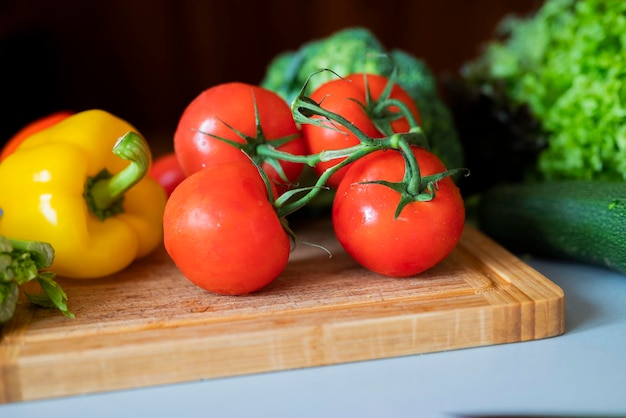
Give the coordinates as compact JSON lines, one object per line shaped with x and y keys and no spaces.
{"x":578,"y":220}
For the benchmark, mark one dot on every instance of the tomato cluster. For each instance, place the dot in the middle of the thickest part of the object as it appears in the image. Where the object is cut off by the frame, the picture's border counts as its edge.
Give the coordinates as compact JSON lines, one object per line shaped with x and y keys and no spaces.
{"x":241,"y":149}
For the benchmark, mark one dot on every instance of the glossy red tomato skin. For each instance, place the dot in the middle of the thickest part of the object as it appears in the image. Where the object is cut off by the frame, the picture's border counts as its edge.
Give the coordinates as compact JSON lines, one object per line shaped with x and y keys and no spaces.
{"x":345,"y":96}
{"x":167,"y":171}
{"x":422,"y":236}
{"x":221,"y":231}
{"x":232,"y":104}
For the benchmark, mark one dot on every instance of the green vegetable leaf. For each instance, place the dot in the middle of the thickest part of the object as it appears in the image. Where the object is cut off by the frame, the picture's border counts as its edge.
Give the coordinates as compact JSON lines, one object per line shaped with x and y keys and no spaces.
{"x":8,"y":300}
{"x":53,"y":296}
{"x":567,"y":63}
{"x":41,"y":253}
{"x":21,"y":262}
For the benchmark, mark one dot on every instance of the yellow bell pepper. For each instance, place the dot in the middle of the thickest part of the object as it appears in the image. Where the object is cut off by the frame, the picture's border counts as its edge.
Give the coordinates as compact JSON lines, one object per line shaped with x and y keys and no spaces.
{"x":79,"y":188}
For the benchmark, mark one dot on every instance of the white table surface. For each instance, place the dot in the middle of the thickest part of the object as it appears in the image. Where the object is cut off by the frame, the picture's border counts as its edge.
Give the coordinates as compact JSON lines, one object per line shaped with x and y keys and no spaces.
{"x":580,"y":372}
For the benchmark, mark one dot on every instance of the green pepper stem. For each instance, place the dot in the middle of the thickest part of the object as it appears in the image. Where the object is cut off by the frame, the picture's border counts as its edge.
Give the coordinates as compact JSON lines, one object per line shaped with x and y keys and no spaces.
{"x":107,"y":191}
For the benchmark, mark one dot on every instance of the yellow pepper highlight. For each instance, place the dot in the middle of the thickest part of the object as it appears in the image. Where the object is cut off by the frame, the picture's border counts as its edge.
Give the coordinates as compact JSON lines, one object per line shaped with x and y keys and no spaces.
{"x":42,"y":187}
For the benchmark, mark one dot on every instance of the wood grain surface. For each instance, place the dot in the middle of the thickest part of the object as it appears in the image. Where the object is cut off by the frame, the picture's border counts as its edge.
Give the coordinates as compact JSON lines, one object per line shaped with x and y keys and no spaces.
{"x":148,"y":325}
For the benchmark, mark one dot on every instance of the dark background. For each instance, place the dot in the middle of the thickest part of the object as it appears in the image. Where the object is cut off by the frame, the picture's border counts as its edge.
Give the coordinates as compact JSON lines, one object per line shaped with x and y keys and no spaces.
{"x":145,"y":60}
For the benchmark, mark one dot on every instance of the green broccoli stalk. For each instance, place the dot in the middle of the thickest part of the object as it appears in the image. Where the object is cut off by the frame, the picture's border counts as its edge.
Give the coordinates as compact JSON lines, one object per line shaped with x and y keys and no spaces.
{"x":21,"y":262}
{"x":357,"y":50}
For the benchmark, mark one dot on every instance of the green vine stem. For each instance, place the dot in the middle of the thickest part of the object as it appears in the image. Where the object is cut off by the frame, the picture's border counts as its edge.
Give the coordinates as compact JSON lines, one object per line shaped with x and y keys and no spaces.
{"x":380,"y":112}
{"x":412,"y":177}
{"x":285,"y":206}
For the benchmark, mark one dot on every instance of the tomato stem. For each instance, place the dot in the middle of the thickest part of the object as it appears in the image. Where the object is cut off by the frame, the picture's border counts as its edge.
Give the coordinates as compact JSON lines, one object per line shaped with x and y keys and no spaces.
{"x":311,"y":160}
{"x":413,"y":186}
{"x":412,"y":175}
{"x":305,"y":110}
{"x":379,"y":110}
{"x":258,"y":147}
{"x":286,"y":207}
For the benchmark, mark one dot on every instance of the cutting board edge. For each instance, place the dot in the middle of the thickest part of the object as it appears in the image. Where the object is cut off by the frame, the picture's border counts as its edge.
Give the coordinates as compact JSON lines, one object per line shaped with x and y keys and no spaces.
{"x":536,"y":312}
{"x":325,"y":345}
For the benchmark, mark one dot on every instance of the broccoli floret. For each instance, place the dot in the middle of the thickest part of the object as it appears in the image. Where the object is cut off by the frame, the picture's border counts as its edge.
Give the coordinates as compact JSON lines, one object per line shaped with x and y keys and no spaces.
{"x":345,"y":52}
{"x":414,"y":75}
{"x":355,"y":50}
{"x":282,"y":73}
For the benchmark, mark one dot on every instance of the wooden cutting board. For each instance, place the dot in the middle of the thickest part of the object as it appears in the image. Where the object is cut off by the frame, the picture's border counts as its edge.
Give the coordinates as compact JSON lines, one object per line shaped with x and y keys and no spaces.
{"x":148,"y":325}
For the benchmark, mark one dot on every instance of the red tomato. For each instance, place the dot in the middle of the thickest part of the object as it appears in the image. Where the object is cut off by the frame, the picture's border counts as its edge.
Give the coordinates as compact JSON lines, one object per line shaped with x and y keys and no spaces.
{"x":223,"y":110}
{"x":33,"y":127}
{"x":167,"y":171}
{"x":347,"y":97}
{"x":421,"y":236}
{"x":222,"y":232}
